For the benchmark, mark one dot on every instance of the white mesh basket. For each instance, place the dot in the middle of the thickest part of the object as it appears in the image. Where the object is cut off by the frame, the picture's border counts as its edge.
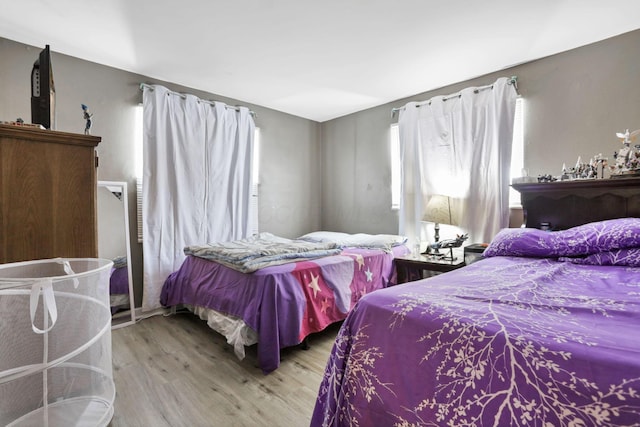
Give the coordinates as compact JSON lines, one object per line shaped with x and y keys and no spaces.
{"x":55,"y":343}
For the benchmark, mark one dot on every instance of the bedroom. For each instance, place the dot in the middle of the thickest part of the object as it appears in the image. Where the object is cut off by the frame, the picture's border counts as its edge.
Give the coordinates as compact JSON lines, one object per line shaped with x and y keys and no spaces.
{"x":564,"y":121}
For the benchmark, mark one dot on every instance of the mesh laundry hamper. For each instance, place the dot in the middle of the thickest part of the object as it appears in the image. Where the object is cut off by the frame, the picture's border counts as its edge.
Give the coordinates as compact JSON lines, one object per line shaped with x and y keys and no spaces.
{"x":55,"y":343}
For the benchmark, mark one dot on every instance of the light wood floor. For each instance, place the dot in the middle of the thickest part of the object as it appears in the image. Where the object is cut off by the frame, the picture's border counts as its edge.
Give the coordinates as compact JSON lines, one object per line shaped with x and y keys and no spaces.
{"x":175,"y":371}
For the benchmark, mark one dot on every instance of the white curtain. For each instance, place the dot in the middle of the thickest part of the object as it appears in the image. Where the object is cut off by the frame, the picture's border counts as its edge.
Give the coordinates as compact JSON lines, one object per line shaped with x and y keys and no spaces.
{"x":459,"y":146}
{"x":196,"y":180}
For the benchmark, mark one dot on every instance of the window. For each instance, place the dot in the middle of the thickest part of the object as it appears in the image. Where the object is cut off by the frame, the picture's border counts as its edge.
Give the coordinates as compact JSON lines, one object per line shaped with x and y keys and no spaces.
{"x":255,"y":185}
{"x":395,"y":166}
{"x":517,"y":157}
{"x":517,"y":150}
{"x":137,"y":140}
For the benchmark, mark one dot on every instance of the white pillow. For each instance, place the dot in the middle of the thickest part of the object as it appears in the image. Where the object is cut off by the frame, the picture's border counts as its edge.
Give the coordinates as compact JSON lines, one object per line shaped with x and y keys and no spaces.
{"x":355,"y":240}
{"x":376,"y":240}
{"x":324,"y":237}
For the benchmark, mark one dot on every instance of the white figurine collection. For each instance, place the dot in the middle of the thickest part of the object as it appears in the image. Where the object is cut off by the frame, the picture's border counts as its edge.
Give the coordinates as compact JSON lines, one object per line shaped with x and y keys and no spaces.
{"x":627,"y":163}
{"x":594,"y":169}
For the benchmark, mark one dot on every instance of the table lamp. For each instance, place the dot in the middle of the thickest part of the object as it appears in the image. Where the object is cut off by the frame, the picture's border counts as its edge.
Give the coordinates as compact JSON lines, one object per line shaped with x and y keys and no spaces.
{"x":439,"y":212}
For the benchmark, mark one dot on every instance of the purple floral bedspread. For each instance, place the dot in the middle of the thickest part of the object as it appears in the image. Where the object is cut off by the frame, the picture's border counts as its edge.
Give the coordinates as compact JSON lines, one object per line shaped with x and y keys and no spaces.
{"x":506,"y":341}
{"x":283,"y":303}
{"x":584,"y":240}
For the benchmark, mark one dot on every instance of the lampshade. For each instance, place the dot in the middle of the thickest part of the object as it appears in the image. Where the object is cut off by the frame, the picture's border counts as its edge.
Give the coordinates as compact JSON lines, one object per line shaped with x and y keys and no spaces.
{"x":440,"y":211}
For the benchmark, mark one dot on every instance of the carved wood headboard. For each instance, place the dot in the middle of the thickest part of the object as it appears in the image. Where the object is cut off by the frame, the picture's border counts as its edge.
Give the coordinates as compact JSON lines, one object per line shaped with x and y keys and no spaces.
{"x":565,"y":204}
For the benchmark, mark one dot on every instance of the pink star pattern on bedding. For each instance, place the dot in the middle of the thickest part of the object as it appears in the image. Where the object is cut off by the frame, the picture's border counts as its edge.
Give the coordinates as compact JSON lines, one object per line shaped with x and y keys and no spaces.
{"x":321,"y":307}
{"x":320,"y":310}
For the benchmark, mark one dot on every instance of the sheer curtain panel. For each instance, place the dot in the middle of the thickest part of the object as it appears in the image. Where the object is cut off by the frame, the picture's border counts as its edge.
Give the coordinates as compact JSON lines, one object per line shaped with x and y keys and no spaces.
{"x":196,"y":180}
{"x":459,"y":146}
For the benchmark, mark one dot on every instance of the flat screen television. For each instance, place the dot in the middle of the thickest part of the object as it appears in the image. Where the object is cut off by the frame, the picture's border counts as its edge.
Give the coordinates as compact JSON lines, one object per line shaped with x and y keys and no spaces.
{"x":43,"y":91}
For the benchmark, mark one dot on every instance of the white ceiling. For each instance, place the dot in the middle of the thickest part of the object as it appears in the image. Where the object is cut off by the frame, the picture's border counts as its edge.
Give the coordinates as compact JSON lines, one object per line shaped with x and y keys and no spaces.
{"x":315,"y":59}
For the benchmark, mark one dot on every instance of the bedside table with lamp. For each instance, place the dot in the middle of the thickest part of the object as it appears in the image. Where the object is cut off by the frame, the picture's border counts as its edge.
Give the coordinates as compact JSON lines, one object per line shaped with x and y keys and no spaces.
{"x":439,"y":255}
{"x":411,"y":268}
{"x":415,"y":267}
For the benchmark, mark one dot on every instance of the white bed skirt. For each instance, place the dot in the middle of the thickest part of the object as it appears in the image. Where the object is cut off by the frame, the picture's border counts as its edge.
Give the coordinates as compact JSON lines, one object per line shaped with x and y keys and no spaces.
{"x":237,"y":333}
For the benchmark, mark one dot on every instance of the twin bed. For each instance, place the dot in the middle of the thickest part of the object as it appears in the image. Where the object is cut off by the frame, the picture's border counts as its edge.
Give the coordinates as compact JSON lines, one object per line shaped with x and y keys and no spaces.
{"x":274,"y":291}
{"x":543,"y":331}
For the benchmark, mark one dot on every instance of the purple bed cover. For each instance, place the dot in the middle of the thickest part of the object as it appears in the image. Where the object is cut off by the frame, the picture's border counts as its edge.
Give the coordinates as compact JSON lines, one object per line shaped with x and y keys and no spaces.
{"x":505,"y":341}
{"x":283,"y":303}
{"x":119,"y":281}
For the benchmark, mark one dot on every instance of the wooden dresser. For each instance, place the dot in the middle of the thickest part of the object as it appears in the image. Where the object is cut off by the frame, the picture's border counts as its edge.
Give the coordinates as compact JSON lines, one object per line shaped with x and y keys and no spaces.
{"x":48,"y":183}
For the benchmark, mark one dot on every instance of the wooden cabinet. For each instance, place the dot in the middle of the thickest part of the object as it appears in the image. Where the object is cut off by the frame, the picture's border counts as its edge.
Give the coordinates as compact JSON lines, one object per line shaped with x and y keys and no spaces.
{"x":48,"y":183}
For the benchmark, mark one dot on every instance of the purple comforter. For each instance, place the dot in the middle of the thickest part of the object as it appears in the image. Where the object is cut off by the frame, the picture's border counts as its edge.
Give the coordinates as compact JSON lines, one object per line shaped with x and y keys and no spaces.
{"x":119,"y":281}
{"x":283,"y":303}
{"x":509,"y":340}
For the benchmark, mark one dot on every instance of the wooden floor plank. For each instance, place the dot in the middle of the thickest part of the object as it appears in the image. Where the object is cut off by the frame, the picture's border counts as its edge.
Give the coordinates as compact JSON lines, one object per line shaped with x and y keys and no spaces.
{"x":175,"y":371}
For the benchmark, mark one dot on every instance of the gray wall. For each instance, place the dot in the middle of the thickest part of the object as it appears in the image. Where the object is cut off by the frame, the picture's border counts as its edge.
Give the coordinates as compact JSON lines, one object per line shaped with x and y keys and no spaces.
{"x":575,"y":102}
{"x":290,"y":172}
{"x":356,"y":184}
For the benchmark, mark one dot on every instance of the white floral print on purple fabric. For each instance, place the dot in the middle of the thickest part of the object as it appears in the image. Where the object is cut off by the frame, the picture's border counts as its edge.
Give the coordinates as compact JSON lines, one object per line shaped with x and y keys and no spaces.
{"x":588,"y":239}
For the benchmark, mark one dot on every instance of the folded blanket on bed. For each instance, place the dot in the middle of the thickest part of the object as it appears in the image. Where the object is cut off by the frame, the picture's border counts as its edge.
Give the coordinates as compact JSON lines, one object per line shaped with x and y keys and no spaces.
{"x":263,"y":250}
{"x":120,"y":262}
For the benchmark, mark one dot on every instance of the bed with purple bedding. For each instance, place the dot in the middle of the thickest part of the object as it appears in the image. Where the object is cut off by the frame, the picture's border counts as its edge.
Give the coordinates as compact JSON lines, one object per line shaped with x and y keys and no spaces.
{"x":545,"y":331}
{"x":282,"y":304}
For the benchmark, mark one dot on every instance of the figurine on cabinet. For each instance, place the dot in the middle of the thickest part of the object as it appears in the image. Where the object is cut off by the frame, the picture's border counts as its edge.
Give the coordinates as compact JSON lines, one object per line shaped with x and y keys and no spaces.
{"x":627,"y":159}
{"x":87,"y":116}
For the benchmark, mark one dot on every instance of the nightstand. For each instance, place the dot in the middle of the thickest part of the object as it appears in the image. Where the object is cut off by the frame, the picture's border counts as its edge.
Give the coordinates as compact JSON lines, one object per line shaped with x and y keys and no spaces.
{"x":473,"y":252}
{"x":412,"y":268}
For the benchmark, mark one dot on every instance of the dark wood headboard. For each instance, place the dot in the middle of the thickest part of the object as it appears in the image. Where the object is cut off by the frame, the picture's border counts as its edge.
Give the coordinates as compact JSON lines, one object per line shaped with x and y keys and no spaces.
{"x":565,"y":204}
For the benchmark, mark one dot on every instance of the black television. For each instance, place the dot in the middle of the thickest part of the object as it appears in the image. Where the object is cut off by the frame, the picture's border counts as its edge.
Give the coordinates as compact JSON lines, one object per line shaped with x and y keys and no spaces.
{"x":43,"y":91}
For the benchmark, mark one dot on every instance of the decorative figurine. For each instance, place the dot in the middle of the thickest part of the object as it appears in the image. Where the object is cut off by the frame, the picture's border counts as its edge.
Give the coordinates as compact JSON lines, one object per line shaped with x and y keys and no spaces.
{"x":547,"y":178}
{"x":628,"y":137}
{"x":448,"y":244}
{"x":87,"y":117}
{"x":627,"y":160}
{"x":600,"y":165}
{"x":592,"y":170}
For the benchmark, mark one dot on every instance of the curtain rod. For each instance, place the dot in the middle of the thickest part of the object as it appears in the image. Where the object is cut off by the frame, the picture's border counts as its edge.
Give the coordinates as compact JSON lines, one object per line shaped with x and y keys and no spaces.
{"x":512,"y":81}
{"x":184,"y":96}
